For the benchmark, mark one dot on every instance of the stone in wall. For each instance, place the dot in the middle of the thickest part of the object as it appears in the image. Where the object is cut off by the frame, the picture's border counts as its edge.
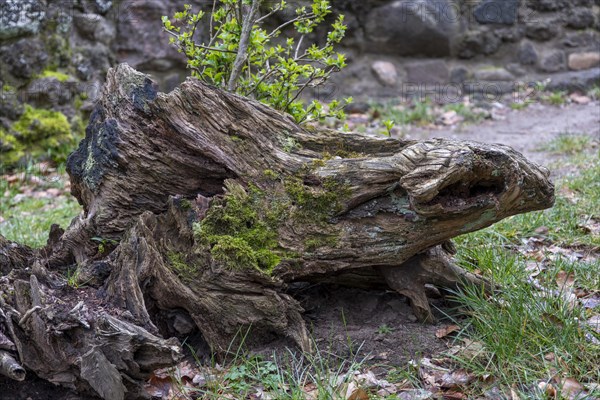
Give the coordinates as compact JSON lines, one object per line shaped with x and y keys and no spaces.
{"x":412,"y":27}
{"x":427,"y":71}
{"x":587,"y":38}
{"x":580,"y":18}
{"x":22,"y":59}
{"x":496,"y":12}
{"x":385,"y":72}
{"x":20,"y":17}
{"x":142,"y":43}
{"x":547,"y":5}
{"x":586,"y":60}
{"x":474,"y":43}
{"x":553,"y":61}
{"x":527,"y":54}
{"x":542,"y":29}
{"x":491,"y":73}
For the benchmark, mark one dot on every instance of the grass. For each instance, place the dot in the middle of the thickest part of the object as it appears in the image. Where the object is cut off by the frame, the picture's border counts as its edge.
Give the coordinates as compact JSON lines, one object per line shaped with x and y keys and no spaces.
{"x":27,"y":219}
{"x":576,"y":206}
{"x":557,"y":98}
{"x":568,"y":143}
{"x":417,"y":112}
{"x":289,"y":376}
{"x":533,"y":329}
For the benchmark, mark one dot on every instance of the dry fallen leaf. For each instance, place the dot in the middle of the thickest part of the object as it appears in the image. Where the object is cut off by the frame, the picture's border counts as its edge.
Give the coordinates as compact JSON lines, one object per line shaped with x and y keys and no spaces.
{"x":578,"y":98}
{"x":565,"y":280}
{"x":446,"y":330}
{"x":548,"y":389}
{"x":358,"y":394}
{"x":571,"y":389}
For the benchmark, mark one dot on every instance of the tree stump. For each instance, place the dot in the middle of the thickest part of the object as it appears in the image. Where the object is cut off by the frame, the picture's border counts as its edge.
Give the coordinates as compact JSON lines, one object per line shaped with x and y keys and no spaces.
{"x":200,"y":207}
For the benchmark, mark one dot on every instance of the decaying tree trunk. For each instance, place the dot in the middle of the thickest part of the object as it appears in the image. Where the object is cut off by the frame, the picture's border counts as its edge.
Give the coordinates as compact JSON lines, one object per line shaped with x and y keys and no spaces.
{"x":200,"y":207}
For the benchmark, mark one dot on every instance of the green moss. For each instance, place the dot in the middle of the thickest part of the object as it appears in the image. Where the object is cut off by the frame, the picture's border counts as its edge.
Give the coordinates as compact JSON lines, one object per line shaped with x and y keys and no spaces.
{"x":11,"y":150}
{"x":37,"y":133}
{"x":178,"y":263}
{"x":61,"y":77}
{"x":318,"y":163}
{"x":348,"y":154}
{"x":37,"y":123}
{"x":241,"y":230}
{"x":290,"y":144}
{"x":186,"y":204}
{"x":316,"y":203}
{"x":270,"y":174}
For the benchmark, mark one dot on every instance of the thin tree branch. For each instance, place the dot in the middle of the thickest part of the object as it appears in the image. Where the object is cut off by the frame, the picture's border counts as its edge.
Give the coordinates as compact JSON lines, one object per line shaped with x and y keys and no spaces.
{"x":200,"y":45}
{"x":242,"y":52}
{"x":273,"y":11}
{"x":280,"y":27}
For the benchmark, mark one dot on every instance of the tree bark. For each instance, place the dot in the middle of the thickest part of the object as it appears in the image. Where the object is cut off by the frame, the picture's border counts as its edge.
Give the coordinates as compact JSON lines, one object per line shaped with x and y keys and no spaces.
{"x":200,"y":207}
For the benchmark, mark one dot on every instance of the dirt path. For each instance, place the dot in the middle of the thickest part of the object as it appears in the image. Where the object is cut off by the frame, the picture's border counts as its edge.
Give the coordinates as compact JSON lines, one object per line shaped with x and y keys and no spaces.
{"x":528,"y":130}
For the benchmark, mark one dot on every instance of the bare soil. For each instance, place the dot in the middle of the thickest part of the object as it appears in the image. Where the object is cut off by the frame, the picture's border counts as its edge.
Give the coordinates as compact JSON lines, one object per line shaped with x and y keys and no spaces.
{"x":379,"y":325}
{"x":527,"y":130}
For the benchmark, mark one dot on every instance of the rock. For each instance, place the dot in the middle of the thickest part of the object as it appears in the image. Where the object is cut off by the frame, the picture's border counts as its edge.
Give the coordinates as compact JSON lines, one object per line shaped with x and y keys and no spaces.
{"x":95,"y":28}
{"x":493,"y":74}
{"x":581,"y":39}
{"x":459,"y":75}
{"x":587,"y":60}
{"x":429,"y":71}
{"x":385,"y":72}
{"x":474,"y":43}
{"x":412,"y":27}
{"x":50,"y":93}
{"x":553,"y":61}
{"x":548,"y":5}
{"x":580,"y":18}
{"x":357,"y":108}
{"x":20,"y":17}
{"x":103,"y":5}
{"x":575,"y":80}
{"x":23,"y":58}
{"x":10,"y":106}
{"x":511,"y":35}
{"x":141,"y":37}
{"x":542,"y":30}
{"x":489,"y":91}
{"x":516,"y":69}
{"x":92,"y":61}
{"x":527,"y":54}
{"x":496,"y":12}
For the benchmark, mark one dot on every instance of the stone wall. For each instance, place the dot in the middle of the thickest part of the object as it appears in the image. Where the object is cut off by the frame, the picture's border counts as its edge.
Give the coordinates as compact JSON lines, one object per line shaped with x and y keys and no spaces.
{"x":405,"y":47}
{"x":54,"y":53}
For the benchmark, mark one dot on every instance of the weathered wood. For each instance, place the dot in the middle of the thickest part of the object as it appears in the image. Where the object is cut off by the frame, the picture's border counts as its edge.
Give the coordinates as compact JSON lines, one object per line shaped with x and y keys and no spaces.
{"x":204,"y":206}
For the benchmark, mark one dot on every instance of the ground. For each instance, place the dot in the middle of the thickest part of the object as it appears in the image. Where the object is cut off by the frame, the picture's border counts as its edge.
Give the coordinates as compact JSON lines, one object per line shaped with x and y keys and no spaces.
{"x":375,"y":331}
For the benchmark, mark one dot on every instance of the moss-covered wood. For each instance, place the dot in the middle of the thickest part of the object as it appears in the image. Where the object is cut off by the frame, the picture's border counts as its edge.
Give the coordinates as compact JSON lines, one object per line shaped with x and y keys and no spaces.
{"x":210,"y":205}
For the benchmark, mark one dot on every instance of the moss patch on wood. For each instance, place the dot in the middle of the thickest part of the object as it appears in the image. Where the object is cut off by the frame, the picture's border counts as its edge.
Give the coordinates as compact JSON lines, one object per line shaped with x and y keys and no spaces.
{"x":181,"y":267}
{"x":242,"y":229}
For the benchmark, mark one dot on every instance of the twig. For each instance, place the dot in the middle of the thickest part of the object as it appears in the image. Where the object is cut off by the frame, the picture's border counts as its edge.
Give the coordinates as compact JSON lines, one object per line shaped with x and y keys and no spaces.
{"x":273,"y":11}
{"x":280,"y":27}
{"x":201,"y":45}
{"x":298,"y":47}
